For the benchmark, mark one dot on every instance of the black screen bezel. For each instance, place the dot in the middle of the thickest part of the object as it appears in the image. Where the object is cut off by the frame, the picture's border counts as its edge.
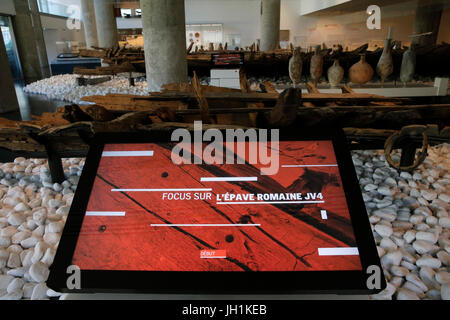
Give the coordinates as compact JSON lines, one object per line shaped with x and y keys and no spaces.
{"x":332,"y":282}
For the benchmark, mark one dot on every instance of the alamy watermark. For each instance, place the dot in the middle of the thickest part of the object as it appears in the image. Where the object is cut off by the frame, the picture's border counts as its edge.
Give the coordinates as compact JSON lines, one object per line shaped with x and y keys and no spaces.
{"x":374,"y":19}
{"x":74,"y":20}
{"x":73,"y":281}
{"x":221,"y":149}
{"x":374,"y":279}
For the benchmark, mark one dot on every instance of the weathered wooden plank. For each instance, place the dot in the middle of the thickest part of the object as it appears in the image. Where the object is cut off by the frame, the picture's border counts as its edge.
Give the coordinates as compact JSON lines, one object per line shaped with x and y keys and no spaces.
{"x":271,"y":97}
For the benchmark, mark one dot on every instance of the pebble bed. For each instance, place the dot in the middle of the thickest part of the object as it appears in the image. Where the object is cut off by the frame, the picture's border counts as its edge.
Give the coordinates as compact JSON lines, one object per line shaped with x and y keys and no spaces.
{"x":408,"y":213}
{"x":65,"y":88}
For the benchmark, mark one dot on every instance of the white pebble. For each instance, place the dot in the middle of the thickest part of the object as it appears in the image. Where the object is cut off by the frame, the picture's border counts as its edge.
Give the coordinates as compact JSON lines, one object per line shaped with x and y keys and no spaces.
{"x":29,"y":242}
{"x":383,"y":230}
{"x":409,"y":236}
{"x":405,"y":175}
{"x":17,"y":272}
{"x":444,"y":222}
{"x":15,"y":285}
{"x":53,"y":294}
{"x":13,"y":261}
{"x":28,"y":289}
{"x":431,"y":220}
{"x":434,"y":294}
{"x":64,"y":210}
{"x":388,"y":244}
{"x":411,"y":277}
{"x":19,"y":236}
{"x":22,"y":207}
{"x":385,"y":294}
{"x":442,"y":277}
{"x":427,"y":236}
{"x":39,"y":232}
{"x":5,"y":280}
{"x":428,"y":194}
{"x":445,"y":291}
{"x":422,"y":246}
{"x":39,"y":272}
{"x":416,"y":218}
{"x":39,"y":292}
{"x":392,"y":258}
{"x":428,"y":261}
{"x":444,"y":197}
{"x":408,"y":265}
{"x":15,"y":295}
{"x":48,"y":257}
{"x":423,"y":211}
{"x":55,"y":203}
{"x":406,"y":294}
{"x":399,"y":271}
{"x":385,"y":191}
{"x":40,"y":215}
{"x":39,"y":251}
{"x":411,"y":286}
{"x":8,"y":231}
{"x":51,"y":238}
{"x":444,"y":257}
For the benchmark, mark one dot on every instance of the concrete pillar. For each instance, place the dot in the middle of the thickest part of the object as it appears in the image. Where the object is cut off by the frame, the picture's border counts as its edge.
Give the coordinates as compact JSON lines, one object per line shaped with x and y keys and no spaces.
{"x":8,"y":101}
{"x":270,"y":24}
{"x":30,"y":40}
{"x":428,"y":19}
{"x":40,"y":41}
{"x":164,"y":30}
{"x":90,"y":26}
{"x":108,"y":36}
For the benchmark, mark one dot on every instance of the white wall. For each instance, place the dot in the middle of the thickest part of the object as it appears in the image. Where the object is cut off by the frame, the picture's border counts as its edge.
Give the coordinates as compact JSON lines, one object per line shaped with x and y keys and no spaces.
{"x":237,"y":16}
{"x":56,"y":30}
{"x":242,"y":17}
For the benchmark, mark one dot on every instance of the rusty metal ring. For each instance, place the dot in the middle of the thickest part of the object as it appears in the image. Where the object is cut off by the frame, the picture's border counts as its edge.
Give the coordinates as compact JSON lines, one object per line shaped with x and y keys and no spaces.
{"x":422,"y":154}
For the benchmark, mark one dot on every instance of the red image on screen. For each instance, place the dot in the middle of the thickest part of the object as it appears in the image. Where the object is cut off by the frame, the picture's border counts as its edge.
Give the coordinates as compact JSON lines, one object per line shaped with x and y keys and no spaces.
{"x":146,"y":213}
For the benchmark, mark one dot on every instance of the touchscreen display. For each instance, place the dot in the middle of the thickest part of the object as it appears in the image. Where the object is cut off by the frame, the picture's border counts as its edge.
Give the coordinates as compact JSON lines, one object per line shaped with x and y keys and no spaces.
{"x":147,"y":213}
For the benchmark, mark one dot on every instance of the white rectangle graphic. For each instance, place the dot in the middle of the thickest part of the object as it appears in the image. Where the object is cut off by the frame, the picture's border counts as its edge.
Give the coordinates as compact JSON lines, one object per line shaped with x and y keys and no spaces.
{"x":160,"y":190}
{"x":268,"y":202}
{"x":352,"y":251}
{"x":127,"y":154}
{"x":308,"y":165}
{"x":206,"y":225}
{"x":323,"y":213}
{"x":211,"y":179}
{"x":105,"y":213}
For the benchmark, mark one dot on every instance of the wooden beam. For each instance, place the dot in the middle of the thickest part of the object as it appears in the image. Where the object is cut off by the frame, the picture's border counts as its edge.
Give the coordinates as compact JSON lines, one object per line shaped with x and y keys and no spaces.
{"x":82,"y":82}
{"x":200,"y":96}
{"x":311,"y":87}
{"x":271,"y":97}
{"x":347,"y":89}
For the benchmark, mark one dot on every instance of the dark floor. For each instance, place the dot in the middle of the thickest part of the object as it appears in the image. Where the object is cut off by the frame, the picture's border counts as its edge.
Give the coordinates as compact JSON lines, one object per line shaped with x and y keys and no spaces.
{"x":32,"y":104}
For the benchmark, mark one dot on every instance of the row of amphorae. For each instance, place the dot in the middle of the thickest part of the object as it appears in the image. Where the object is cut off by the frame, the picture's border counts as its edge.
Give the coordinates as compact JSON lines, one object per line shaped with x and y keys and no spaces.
{"x":359,"y":73}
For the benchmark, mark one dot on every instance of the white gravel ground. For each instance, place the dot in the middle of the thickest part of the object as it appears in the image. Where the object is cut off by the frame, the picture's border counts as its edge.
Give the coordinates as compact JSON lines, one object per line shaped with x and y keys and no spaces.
{"x":65,"y":88}
{"x":409,"y":214}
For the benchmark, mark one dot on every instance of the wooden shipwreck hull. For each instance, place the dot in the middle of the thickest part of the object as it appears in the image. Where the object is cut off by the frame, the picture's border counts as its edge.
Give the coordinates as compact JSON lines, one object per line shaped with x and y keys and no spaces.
{"x":368,"y":120}
{"x":431,"y":61}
